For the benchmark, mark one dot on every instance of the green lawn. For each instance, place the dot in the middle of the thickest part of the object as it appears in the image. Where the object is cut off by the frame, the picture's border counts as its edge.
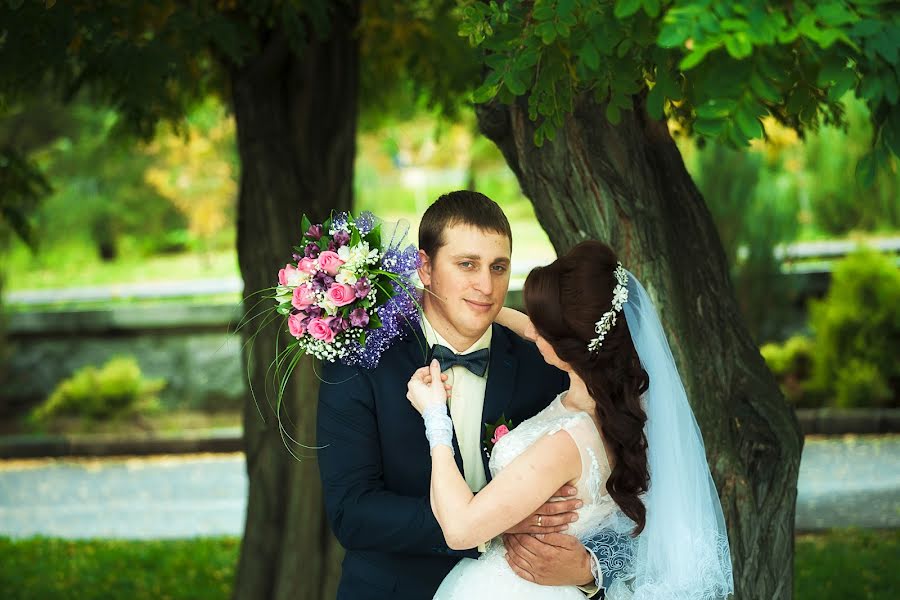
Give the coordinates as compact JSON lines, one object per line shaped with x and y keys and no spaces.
{"x":50,"y":569}
{"x":840,"y":564}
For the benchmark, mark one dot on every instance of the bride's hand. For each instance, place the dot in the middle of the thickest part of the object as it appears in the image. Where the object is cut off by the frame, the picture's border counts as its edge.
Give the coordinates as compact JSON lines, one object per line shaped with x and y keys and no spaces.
{"x":428,"y":386}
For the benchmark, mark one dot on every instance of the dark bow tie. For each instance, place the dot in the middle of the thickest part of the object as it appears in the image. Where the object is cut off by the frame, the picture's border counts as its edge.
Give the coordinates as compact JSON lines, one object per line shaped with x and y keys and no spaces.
{"x":476,"y":361}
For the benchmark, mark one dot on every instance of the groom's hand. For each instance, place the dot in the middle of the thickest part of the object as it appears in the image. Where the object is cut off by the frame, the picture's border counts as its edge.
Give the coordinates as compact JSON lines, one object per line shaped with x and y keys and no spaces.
{"x":549,"y":559}
{"x":554,"y":516}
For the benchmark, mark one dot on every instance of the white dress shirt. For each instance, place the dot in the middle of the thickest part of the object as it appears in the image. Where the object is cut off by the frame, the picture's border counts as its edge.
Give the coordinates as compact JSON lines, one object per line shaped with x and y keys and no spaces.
{"x":466,"y":404}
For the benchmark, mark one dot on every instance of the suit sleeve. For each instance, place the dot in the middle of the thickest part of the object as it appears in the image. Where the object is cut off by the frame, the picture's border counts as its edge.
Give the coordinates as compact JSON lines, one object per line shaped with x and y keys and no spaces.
{"x":363,"y":515}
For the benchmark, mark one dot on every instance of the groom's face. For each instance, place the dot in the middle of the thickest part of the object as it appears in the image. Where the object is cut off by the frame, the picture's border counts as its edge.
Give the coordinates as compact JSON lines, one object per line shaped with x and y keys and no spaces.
{"x":468,"y":278}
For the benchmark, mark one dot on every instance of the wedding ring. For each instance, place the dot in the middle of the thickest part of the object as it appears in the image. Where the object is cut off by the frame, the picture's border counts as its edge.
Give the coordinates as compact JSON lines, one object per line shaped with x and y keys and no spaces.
{"x":540,"y":518}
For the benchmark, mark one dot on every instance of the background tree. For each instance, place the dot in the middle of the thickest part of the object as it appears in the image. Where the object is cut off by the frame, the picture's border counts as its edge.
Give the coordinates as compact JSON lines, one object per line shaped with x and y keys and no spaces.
{"x":576,"y":96}
{"x":290,"y":72}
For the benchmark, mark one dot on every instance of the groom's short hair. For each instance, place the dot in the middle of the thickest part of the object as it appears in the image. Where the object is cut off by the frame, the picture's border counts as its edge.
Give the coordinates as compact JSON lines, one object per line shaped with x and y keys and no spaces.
{"x":461,"y":207}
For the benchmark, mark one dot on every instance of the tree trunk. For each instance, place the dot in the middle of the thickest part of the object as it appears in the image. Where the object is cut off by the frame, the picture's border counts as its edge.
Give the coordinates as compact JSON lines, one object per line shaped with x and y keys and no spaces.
{"x":626,"y":184}
{"x":296,"y":121}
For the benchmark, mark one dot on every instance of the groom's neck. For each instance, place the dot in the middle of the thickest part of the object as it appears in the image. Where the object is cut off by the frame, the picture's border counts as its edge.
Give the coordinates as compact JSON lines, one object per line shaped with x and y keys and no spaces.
{"x":445,"y":328}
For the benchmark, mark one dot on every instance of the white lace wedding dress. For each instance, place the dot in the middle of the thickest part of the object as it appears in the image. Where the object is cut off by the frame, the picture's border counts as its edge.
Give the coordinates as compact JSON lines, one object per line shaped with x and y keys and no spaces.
{"x":490,"y":576}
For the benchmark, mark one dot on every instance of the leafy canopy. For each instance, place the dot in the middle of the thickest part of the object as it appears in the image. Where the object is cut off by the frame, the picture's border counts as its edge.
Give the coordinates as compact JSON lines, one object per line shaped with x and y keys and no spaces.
{"x":714,"y":66}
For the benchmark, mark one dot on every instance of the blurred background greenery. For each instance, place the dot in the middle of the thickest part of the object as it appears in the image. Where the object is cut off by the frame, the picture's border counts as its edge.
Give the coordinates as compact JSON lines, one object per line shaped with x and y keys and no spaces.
{"x":126,"y":212}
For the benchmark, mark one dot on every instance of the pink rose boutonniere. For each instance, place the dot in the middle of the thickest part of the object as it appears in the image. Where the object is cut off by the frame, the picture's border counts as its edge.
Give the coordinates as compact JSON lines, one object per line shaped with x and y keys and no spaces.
{"x":499,"y":433}
{"x":493,"y":433}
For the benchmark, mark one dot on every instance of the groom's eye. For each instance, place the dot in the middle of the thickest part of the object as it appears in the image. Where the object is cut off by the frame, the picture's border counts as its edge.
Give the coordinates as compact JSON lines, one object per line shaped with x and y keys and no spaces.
{"x":467,"y":264}
{"x":499,"y":268}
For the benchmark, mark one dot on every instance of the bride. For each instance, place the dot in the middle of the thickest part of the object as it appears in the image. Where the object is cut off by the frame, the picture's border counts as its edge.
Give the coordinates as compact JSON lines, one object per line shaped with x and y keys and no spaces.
{"x":623,"y":434}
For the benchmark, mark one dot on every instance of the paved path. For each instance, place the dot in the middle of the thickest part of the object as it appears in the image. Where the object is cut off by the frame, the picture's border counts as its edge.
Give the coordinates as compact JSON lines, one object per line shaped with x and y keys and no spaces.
{"x":851,"y":481}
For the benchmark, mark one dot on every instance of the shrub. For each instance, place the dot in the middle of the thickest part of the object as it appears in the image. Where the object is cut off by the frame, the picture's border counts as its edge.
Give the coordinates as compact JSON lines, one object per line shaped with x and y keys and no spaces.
{"x":791,"y":363}
{"x":857,"y":332}
{"x":4,"y":346}
{"x":117,"y":389}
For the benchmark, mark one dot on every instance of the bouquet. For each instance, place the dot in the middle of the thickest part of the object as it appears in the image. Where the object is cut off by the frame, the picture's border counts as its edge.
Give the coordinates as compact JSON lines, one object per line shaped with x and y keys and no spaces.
{"x":350,"y":289}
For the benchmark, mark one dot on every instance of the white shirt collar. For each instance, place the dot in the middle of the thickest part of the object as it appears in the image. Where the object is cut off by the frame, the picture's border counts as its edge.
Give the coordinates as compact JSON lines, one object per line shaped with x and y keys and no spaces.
{"x":433,"y":337}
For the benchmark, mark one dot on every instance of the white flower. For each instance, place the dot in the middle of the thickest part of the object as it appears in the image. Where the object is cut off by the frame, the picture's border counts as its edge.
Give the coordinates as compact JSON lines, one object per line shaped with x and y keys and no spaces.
{"x":296,"y":277}
{"x":357,"y":256}
{"x":329,"y":306}
{"x":346,"y":276}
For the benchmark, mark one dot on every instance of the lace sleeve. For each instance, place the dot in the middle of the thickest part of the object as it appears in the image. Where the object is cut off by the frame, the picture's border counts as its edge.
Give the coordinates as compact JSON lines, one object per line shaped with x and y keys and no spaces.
{"x":613,"y":549}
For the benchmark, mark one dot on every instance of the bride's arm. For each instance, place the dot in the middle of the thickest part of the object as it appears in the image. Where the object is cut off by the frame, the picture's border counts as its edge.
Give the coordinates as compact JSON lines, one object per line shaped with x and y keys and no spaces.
{"x":518,"y":490}
{"x":515,"y":320}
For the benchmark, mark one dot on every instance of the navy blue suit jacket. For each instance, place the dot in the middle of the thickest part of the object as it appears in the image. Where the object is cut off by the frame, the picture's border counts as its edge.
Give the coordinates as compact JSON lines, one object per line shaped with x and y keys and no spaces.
{"x":376,"y":465}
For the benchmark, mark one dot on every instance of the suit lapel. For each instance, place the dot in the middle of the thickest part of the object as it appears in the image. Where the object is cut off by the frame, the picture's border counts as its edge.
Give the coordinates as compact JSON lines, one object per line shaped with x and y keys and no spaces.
{"x":499,"y":389}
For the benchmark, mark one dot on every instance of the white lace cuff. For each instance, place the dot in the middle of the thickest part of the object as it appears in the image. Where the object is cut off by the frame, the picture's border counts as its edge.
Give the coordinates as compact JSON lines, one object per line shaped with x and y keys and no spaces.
{"x":438,"y":426}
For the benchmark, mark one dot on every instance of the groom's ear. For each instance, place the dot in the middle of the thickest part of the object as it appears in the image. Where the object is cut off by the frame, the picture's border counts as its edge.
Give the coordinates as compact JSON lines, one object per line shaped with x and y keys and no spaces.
{"x":425,"y":268}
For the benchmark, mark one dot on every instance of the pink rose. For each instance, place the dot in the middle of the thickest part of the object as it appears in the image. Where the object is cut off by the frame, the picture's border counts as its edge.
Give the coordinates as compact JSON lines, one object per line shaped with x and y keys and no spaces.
{"x":282,"y":275}
{"x":296,"y":325}
{"x":320,"y":329}
{"x":303,"y":297}
{"x":499,"y":433}
{"x":330,"y":262}
{"x":341,"y":294}
{"x":307,"y":265}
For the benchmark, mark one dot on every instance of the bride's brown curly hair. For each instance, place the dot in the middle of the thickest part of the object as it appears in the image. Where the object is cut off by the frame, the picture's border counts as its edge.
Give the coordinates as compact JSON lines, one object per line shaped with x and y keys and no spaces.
{"x":564,"y":301}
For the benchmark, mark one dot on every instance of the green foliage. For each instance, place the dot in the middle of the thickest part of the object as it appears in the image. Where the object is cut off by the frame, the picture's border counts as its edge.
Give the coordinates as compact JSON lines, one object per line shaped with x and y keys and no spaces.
{"x":838,"y":204}
{"x":4,"y":346}
{"x":714,"y":66}
{"x":857,"y":332}
{"x":149,"y":61}
{"x":791,"y":363}
{"x":101,"y":190}
{"x":22,"y":186}
{"x":117,"y":389}
{"x":413,"y":59}
{"x":753,"y":215}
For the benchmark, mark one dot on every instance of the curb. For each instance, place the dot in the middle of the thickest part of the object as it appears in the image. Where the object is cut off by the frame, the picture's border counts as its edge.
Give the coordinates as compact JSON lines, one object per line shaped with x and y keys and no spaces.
{"x":831,"y":421}
{"x":58,"y":446}
{"x":812,"y":422}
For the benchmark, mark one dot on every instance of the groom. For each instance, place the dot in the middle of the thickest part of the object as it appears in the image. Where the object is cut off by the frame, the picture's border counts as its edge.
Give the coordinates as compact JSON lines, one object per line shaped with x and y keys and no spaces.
{"x":374,"y":459}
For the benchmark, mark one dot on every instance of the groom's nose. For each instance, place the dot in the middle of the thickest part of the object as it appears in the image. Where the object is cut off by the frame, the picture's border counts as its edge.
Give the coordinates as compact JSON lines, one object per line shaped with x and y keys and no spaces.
{"x":484,"y":282}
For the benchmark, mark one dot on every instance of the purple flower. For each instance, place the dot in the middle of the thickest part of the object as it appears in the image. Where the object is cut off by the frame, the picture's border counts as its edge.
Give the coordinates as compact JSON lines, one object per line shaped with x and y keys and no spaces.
{"x":314,"y":311}
{"x":341,"y":238}
{"x":296,"y":257}
{"x":321,"y":281}
{"x":362,"y":287}
{"x":359,"y":317}
{"x":312,"y":250}
{"x":332,"y":246}
{"x":314,"y":232}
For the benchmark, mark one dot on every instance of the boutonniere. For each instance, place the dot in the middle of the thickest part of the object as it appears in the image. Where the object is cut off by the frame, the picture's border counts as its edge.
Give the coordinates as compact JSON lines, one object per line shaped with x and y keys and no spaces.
{"x":493,"y":433}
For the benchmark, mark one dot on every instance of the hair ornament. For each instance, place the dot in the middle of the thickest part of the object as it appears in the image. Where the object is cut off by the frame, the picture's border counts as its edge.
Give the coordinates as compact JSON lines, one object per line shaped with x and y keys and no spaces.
{"x":608,"y":320}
